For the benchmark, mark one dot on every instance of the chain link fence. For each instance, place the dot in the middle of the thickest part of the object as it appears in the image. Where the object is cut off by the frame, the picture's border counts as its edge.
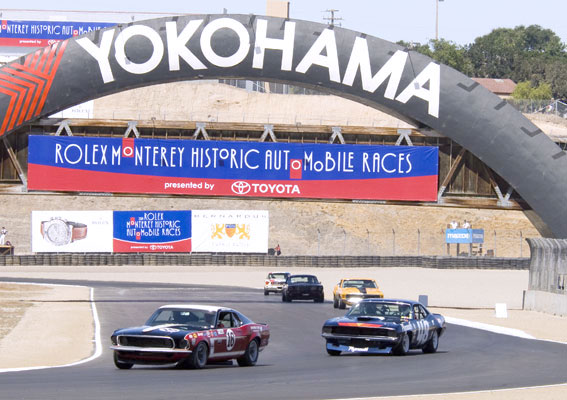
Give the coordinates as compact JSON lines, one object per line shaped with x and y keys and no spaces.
{"x":398,"y":241}
{"x":551,"y":107}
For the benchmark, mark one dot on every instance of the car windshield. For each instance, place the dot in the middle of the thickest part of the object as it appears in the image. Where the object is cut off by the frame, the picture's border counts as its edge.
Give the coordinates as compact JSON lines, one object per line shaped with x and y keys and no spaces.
{"x":380,"y":310}
{"x":303,"y":279}
{"x":190,"y":318}
{"x":277,"y":276}
{"x":364,"y":283}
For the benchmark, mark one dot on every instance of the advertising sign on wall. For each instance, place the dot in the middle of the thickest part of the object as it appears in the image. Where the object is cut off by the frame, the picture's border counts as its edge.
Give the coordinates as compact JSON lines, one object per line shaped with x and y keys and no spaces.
{"x":233,"y":231}
{"x":152,"y":231}
{"x":464,"y":236}
{"x":43,"y":33}
{"x":72,"y":231}
{"x":241,"y":169}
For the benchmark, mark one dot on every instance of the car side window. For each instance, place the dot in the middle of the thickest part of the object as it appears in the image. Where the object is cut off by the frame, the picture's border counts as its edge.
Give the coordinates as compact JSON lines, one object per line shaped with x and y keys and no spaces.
{"x":225,"y":320}
{"x":236,"y":321}
{"x":424,"y":311}
{"x":417,"y":312}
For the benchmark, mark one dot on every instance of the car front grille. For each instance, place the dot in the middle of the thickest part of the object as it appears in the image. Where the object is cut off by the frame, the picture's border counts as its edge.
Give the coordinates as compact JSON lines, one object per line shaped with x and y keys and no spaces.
{"x":146,"y":341}
{"x":360,"y":331}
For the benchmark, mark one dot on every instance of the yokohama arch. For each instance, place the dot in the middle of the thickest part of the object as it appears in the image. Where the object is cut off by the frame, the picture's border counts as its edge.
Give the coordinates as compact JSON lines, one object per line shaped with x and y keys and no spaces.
{"x":345,"y":63}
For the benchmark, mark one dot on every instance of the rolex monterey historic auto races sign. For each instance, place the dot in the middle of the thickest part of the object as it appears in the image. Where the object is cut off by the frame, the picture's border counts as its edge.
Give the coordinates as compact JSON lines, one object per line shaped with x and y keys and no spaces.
{"x":241,"y":169}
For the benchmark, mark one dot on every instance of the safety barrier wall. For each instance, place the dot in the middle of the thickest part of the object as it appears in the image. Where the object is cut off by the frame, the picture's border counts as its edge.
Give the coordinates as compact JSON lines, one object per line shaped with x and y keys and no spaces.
{"x":262,"y":260}
{"x":548,"y":265}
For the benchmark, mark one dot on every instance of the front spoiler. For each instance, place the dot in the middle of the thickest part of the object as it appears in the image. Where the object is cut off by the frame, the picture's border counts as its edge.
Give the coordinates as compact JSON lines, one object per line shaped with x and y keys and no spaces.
{"x":149,"y":349}
{"x":359,"y":350}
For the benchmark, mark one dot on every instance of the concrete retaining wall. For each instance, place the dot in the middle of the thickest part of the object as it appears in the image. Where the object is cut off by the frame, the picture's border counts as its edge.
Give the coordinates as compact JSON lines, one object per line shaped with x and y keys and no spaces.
{"x":548,"y":265}
{"x":548,"y":276}
{"x":261,"y":260}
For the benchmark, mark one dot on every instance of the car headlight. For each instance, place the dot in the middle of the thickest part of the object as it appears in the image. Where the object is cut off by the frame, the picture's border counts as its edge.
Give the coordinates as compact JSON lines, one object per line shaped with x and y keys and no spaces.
{"x":113,"y":340}
{"x":327,"y":329}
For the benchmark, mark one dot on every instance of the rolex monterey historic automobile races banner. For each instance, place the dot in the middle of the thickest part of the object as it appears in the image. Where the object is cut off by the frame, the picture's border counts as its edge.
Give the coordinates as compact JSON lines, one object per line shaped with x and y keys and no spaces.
{"x":241,"y":169}
{"x":236,"y":231}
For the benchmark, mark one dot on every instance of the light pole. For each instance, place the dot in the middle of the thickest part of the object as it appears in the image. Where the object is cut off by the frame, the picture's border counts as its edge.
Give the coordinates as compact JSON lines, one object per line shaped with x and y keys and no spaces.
{"x":437,"y":19}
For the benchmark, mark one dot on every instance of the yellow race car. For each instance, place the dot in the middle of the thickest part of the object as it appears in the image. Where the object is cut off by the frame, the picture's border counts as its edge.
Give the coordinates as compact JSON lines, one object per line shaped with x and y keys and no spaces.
{"x":351,"y":291}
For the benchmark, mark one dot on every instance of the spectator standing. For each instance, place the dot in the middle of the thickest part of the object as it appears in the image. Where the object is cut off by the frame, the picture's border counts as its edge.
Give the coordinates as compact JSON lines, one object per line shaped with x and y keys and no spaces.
{"x":466,"y":224}
{"x":3,"y":234}
{"x":454,"y":224}
{"x":278,"y":250}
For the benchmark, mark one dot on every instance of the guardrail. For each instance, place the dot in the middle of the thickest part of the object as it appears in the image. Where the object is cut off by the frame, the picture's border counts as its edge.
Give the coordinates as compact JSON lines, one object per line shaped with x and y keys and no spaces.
{"x":262,"y":260}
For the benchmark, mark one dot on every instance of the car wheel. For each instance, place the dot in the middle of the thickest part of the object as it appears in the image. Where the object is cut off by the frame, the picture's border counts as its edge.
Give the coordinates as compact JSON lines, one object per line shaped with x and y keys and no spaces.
{"x":283,"y":298}
{"x":335,"y":302}
{"x":431,"y":345}
{"x":333,"y":352}
{"x":402,"y":348}
{"x":250,"y":356}
{"x":121,"y":364}
{"x":199,"y":356}
{"x":320,"y":299}
{"x":266,"y":293}
{"x":342,"y":305}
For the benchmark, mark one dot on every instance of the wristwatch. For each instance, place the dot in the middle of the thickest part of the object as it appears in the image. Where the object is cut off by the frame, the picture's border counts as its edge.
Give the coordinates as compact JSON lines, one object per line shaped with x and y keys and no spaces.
{"x":59,"y":231}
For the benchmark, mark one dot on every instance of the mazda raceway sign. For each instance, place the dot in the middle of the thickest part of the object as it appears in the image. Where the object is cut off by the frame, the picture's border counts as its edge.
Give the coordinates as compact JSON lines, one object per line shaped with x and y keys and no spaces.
{"x":346,"y":63}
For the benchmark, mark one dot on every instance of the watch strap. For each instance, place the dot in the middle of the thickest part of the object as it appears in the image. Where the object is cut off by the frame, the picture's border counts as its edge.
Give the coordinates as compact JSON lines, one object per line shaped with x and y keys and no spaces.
{"x":79,"y":231}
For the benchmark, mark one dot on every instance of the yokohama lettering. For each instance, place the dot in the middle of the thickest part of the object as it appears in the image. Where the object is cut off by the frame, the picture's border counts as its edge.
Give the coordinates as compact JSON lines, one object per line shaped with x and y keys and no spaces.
{"x":323,"y":53}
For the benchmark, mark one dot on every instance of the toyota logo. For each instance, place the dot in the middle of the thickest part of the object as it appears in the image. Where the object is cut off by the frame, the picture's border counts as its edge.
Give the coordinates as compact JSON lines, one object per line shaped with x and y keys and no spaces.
{"x":240,"y":187}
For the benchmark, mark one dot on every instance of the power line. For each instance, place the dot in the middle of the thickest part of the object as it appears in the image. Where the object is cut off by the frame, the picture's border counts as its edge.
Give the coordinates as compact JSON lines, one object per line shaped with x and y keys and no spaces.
{"x":332,"y":18}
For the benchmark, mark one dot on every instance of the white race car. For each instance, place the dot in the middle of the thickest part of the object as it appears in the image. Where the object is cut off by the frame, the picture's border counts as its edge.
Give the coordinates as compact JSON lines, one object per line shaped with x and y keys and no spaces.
{"x":274,"y":282}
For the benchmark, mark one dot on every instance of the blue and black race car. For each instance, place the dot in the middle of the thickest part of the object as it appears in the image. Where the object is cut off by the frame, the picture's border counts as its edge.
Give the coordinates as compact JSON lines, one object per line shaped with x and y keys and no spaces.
{"x":384,"y":326}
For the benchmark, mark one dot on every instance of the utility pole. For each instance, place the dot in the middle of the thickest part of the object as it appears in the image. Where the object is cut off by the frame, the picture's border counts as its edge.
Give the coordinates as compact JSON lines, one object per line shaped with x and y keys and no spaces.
{"x":332,"y":18}
{"x":437,"y":19}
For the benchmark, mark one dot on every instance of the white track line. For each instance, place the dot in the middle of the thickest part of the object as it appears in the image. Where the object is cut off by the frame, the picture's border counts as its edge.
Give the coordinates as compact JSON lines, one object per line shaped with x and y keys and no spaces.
{"x":444,"y":395}
{"x":97,"y":338}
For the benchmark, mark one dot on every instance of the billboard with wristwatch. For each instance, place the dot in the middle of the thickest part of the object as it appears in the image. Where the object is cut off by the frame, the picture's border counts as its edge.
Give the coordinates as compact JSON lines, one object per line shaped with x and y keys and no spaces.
{"x":242,"y":231}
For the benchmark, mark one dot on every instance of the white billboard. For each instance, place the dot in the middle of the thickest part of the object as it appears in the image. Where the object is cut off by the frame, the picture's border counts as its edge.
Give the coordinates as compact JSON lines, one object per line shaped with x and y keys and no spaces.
{"x":72,"y":231}
{"x":230,"y":231}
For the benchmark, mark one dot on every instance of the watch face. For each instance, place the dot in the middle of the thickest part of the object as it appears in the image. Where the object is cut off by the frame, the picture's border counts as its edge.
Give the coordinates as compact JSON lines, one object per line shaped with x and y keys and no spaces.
{"x":57,"y":232}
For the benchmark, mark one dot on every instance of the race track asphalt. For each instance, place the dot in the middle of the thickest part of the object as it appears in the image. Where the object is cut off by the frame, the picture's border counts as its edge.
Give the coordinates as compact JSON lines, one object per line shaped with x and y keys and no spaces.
{"x":294,"y":365}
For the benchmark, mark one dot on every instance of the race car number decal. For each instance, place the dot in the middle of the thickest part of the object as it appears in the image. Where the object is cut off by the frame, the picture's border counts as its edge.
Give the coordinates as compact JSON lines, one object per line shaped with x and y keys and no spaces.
{"x":230,"y":339}
{"x":422,"y":331}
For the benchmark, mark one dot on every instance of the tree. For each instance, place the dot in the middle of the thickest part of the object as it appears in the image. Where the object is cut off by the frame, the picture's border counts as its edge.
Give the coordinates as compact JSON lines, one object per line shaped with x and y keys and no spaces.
{"x":446,"y":52}
{"x":525,"y":90}
{"x":519,"y":54}
{"x":556,"y":75}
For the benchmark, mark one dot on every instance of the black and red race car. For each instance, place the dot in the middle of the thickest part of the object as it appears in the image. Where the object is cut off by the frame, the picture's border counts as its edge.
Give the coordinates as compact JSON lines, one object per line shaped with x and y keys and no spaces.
{"x":190,"y":336}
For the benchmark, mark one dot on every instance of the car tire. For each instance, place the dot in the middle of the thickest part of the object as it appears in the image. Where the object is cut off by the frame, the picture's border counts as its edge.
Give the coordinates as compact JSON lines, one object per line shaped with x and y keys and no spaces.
{"x":402,"y":348}
{"x":432,"y":344}
{"x":199,"y":356}
{"x":342,"y":305}
{"x":121,"y":364}
{"x":335,"y":302}
{"x":266,"y":293}
{"x":320,"y":299}
{"x":251,"y":355}
{"x":333,"y":352}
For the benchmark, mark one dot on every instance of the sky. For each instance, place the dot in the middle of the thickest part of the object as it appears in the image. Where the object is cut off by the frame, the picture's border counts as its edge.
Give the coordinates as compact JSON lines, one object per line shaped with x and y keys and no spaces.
{"x":460,"y":21}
